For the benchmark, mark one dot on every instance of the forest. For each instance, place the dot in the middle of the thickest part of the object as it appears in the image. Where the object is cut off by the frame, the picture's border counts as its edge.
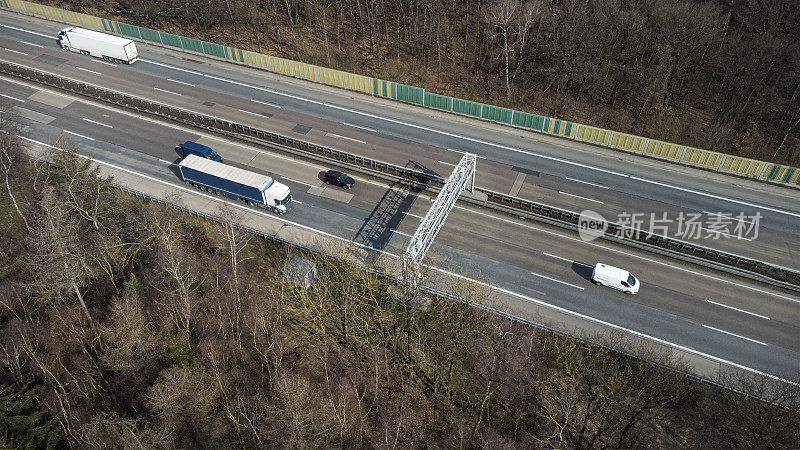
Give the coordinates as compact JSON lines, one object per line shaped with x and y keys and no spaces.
{"x":723,"y":75}
{"x":131,"y":324}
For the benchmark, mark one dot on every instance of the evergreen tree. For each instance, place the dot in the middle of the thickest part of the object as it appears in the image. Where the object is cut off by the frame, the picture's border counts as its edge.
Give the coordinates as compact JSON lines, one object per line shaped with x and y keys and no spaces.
{"x":25,"y":423}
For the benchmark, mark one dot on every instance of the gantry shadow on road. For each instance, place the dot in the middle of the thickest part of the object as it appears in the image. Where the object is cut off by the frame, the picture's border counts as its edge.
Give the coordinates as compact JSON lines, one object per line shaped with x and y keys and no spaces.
{"x":378,"y":228}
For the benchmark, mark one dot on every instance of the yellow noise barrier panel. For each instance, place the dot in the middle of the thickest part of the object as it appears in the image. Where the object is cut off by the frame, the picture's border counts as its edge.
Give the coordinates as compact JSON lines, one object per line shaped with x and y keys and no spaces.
{"x":593,"y":134}
{"x":282,"y":66}
{"x":52,"y":13}
{"x":628,"y":142}
{"x":257,"y":59}
{"x":744,"y":166}
{"x":34,"y":8}
{"x":330,"y":77}
{"x":16,"y":5}
{"x":90,"y":21}
{"x":305,"y":71}
{"x":356,"y":82}
{"x":71,"y":17}
{"x":703,"y":158}
{"x":666,"y":150}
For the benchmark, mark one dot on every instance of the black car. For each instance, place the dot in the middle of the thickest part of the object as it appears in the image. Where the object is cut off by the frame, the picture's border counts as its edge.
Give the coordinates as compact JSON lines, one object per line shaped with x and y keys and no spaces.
{"x":338,"y":179}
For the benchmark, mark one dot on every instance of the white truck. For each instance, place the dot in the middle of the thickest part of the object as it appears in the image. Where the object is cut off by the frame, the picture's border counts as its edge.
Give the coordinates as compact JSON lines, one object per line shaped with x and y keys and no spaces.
{"x":100,"y":45}
{"x":222,"y":179}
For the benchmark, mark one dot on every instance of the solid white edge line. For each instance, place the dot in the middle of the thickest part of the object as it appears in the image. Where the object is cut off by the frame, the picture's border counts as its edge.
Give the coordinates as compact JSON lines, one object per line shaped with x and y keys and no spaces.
{"x":26,"y":31}
{"x":97,"y":123}
{"x":586,"y":182}
{"x":262,"y":151}
{"x":17,"y":51}
{"x":181,"y":82}
{"x":735,"y":335}
{"x":480,"y":141}
{"x":168,"y":92}
{"x":506,"y":291}
{"x":255,"y":87}
{"x":169,"y":125}
{"x":558,"y":257}
{"x":296,"y":181}
{"x":87,"y":70}
{"x":553,"y":233}
{"x":360,"y":127}
{"x":31,"y":43}
{"x":400,"y":232}
{"x":338,"y":136}
{"x":265,"y":103}
{"x":737,"y":309}
{"x":79,"y":135}
{"x":447,"y":163}
{"x":12,"y":98}
{"x":558,"y":281}
{"x":578,"y":196}
{"x":718,"y":197}
{"x":618,"y":327}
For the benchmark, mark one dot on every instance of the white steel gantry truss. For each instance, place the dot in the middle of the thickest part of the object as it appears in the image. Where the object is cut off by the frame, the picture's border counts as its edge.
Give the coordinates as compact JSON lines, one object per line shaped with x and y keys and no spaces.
{"x":434,"y":220}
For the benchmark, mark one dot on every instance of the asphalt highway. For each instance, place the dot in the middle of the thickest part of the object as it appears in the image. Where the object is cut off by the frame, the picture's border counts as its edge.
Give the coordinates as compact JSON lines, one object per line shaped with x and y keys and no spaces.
{"x":730,"y":319}
{"x":544,"y":169}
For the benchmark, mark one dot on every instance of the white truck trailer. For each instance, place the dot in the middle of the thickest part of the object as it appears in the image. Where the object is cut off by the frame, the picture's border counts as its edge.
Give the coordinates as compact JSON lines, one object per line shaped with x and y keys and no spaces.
{"x":239,"y":184}
{"x":100,"y":45}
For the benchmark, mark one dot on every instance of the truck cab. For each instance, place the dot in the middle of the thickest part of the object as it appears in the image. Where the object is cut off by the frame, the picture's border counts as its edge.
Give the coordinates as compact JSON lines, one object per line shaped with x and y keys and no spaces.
{"x":193,"y":148}
{"x":281,"y":198}
{"x":62,"y":36}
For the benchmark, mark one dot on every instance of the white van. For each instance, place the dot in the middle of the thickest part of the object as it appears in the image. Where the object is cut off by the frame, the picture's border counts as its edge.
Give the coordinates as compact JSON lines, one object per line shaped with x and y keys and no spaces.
{"x":616,"y":278}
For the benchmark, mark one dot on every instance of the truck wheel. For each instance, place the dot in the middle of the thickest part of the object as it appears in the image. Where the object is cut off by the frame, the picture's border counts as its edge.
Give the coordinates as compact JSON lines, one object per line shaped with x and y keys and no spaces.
{"x":253,"y":204}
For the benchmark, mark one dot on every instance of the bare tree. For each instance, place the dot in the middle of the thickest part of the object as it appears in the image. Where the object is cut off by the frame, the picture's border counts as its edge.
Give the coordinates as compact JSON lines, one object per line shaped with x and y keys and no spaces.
{"x":12,"y":157}
{"x":236,"y":238}
{"x":512,"y":20}
{"x":59,"y":257}
{"x":183,"y":278}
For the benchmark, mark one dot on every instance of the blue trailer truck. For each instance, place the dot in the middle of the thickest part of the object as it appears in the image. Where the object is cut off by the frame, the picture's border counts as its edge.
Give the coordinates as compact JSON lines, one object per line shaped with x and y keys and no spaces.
{"x":239,"y":184}
{"x":193,"y":148}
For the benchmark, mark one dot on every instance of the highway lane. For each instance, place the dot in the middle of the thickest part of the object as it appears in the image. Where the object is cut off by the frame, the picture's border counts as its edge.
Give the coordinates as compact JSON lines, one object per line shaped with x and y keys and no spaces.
{"x":593,"y":183}
{"x":728,"y":318}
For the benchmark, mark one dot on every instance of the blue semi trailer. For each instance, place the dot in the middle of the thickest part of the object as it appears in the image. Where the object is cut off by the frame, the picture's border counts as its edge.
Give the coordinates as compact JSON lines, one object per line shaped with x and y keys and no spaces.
{"x":221,"y":179}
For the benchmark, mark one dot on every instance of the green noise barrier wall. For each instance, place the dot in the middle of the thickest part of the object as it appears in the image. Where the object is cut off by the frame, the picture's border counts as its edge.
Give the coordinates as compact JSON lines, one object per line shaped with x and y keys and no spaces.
{"x":382,"y":88}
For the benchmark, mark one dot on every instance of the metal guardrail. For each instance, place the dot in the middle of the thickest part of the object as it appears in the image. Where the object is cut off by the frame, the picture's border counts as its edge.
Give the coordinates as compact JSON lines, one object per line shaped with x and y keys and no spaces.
{"x":696,"y":254}
{"x":433,"y":291}
{"x":726,"y":262}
